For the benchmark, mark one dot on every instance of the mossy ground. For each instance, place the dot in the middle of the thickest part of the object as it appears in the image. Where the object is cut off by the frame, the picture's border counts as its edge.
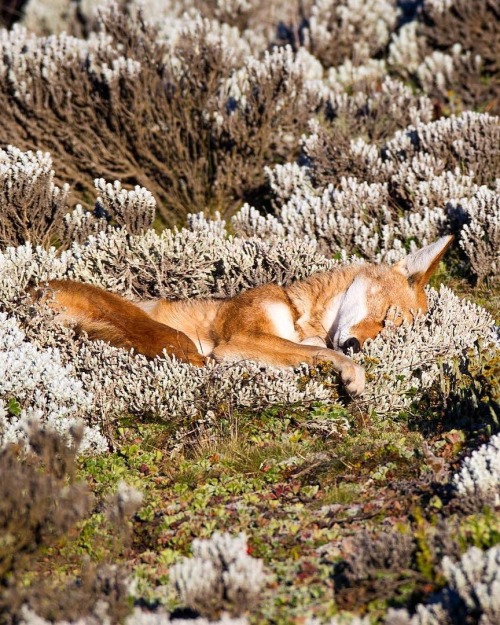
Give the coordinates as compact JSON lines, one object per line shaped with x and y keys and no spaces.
{"x":301,"y":494}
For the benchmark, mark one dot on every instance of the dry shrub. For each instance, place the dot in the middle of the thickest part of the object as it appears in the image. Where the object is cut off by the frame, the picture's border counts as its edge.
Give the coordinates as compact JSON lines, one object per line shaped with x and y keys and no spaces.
{"x":468,"y":141}
{"x":373,"y":113}
{"x":31,"y":206}
{"x":124,"y":106}
{"x":77,"y":17}
{"x":10,"y":11}
{"x":98,"y":595}
{"x":329,"y":154}
{"x":37,"y":506}
{"x":455,"y":81}
{"x":342,"y":30}
{"x":369,"y":554}
{"x":460,"y":40}
{"x":47,"y":17}
{"x":114,"y":208}
{"x":374,"y":565}
{"x":261,"y":17}
{"x":39,"y":503}
{"x":480,"y":234}
{"x":471,"y":24}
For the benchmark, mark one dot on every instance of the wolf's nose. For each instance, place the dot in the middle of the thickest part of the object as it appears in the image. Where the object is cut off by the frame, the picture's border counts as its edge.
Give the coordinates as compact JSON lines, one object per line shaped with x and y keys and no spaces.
{"x":351,"y":343}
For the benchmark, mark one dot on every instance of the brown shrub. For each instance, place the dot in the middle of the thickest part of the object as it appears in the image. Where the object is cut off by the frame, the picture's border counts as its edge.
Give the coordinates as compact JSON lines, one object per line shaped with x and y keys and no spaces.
{"x":31,"y":206}
{"x":369,"y":554}
{"x":98,"y":593}
{"x":474,"y":27}
{"x":37,"y":506}
{"x":39,"y":503}
{"x":335,"y":32}
{"x":128,"y":108}
{"x":373,"y":112}
{"x":330,"y":156}
{"x":33,"y":209}
{"x":10,"y":11}
{"x":260,"y":16}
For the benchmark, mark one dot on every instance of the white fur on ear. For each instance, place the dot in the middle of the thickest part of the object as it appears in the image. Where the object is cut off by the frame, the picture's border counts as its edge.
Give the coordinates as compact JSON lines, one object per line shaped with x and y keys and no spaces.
{"x":419,"y":263}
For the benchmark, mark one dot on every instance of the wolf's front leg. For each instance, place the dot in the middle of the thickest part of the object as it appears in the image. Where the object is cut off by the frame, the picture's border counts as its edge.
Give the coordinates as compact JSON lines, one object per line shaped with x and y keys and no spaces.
{"x":279,"y":352}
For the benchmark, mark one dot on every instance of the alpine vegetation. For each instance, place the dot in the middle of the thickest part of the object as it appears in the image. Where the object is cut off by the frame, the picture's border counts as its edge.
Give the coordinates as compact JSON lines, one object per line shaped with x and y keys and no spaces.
{"x":40,"y":390}
{"x":138,"y":617}
{"x":479,"y":477}
{"x":470,"y":596}
{"x":220,"y":576}
{"x":200,"y":263}
{"x":196,"y":149}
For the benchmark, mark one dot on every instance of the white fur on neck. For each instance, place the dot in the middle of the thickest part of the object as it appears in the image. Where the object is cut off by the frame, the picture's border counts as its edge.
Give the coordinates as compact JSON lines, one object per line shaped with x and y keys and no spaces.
{"x":352,"y":310}
{"x":329,"y":320}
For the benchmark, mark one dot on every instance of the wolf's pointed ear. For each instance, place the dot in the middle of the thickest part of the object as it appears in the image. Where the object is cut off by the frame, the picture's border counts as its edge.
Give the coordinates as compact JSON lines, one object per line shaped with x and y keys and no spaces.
{"x":419,"y":266}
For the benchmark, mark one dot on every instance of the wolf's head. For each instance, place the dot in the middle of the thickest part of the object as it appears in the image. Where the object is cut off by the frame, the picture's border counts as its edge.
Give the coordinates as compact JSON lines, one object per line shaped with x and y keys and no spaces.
{"x":380,"y":293}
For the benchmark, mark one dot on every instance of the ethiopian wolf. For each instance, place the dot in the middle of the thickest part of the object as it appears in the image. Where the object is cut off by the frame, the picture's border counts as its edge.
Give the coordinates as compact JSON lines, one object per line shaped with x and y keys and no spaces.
{"x":305,"y":322}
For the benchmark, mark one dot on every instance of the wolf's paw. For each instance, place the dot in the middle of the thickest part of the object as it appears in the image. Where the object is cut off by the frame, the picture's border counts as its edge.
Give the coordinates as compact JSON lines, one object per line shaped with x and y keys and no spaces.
{"x":353,"y":377}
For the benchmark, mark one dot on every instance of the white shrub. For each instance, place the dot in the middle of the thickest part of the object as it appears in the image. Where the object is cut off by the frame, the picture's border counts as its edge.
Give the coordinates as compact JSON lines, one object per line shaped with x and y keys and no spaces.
{"x":472,"y":593}
{"x":45,"y":390}
{"x":480,"y":237}
{"x":220,"y":576}
{"x":479,"y":477}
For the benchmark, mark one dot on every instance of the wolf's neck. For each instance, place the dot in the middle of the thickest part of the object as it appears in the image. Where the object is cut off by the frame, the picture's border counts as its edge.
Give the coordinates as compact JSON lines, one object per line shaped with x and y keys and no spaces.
{"x":317,"y":299}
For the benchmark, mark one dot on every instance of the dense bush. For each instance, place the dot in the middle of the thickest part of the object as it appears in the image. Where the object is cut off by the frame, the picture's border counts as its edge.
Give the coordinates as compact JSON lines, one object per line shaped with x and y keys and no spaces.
{"x":193,"y":122}
{"x":40,"y":501}
{"x":281,"y":139}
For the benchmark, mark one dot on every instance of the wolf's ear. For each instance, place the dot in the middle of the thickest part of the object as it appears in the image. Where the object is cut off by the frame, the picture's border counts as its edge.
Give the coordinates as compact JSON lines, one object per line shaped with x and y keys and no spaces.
{"x":419,"y":266}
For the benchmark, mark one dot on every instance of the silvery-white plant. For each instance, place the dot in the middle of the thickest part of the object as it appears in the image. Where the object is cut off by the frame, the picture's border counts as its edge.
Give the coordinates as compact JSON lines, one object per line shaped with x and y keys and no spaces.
{"x":480,"y":236}
{"x":221,"y":575}
{"x":32,"y":206}
{"x":472,"y":593}
{"x":29,"y":617}
{"x":413,"y":357}
{"x":354,"y":218}
{"x":341,"y":619}
{"x":463,"y":133}
{"x":404,"y":49}
{"x":439,"y":70}
{"x":133,"y":209}
{"x":371,"y":21}
{"x":203,"y":260}
{"x":44,"y":391}
{"x":479,"y":477}
{"x":160,"y":617}
{"x":138,"y":617}
{"x":24,"y":56}
{"x":393,"y":93}
{"x":349,"y":74}
{"x":182,"y":265}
